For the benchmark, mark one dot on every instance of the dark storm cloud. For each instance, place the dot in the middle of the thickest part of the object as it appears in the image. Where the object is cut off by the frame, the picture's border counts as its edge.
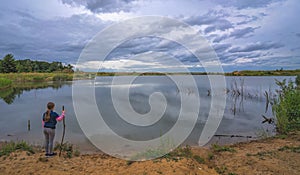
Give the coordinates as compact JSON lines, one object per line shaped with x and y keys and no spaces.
{"x":256,"y":46}
{"x":30,"y":37}
{"x":102,"y":5}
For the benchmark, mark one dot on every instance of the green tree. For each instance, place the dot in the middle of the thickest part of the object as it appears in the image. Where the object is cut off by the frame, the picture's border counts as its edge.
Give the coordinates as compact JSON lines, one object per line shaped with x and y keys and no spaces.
{"x":53,"y":67}
{"x":8,"y":64}
{"x":68,"y":68}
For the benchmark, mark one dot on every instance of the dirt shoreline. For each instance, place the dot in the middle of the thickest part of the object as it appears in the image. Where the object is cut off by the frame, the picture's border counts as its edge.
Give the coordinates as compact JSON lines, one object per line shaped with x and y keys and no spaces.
{"x":276,"y":155}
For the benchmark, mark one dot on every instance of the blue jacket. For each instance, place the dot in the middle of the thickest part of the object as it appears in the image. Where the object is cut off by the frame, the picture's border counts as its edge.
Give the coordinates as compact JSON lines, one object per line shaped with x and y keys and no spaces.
{"x":52,"y":122}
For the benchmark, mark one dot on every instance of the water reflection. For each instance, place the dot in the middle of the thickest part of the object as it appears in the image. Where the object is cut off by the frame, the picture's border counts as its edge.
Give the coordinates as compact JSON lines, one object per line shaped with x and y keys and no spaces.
{"x":246,"y":103}
{"x":8,"y":95}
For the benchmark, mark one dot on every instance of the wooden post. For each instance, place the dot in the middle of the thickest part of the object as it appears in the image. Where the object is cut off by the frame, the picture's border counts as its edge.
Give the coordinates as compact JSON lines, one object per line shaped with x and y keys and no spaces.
{"x":64,"y":130}
{"x":28,"y":125}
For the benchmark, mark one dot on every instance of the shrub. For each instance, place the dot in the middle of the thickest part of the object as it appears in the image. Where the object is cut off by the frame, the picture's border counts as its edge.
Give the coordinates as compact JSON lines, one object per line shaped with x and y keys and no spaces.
{"x":286,"y":107}
{"x":10,"y":147}
{"x":67,"y":149}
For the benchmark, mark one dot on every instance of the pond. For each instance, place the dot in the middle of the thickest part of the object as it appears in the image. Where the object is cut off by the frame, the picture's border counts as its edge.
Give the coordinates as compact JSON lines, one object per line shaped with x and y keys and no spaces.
{"x":245,"y":105}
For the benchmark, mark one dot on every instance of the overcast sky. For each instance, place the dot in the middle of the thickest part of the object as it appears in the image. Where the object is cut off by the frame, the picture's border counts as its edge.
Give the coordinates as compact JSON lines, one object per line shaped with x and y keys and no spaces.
{"x":246,"y":34}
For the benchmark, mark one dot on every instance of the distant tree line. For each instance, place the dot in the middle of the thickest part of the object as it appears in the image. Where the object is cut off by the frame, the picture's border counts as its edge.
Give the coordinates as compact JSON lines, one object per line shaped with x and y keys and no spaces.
{"x":8,"y":64}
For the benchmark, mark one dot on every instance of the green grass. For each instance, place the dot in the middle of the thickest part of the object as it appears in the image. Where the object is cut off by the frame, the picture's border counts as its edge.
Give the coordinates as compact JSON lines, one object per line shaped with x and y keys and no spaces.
{"x":67,"y":149}
{"x":218,"y":148}
{"x":263,"y":155}
{"x":210,"y":156}
{"x":10,"y":147}
{"x":164,"y":147}
{"x":5,"y":83}
{"x":44,"y":77}
{"x":180,"y":152}
{"x":295,"y":149}
{"x":199,"y":159}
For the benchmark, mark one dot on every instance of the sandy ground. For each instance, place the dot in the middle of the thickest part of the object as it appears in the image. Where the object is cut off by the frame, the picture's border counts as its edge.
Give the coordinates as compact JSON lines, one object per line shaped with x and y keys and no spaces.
{"x":268,"y":156}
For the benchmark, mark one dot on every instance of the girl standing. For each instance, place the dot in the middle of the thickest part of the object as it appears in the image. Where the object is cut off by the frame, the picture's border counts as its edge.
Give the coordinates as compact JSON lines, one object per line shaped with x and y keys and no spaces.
{"x":50,"y":119}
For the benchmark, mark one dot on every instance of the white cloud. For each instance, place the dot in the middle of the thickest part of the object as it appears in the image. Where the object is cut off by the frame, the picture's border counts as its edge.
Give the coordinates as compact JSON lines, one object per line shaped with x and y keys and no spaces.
{"x":115,"y":16}
{"x":243,"y":60}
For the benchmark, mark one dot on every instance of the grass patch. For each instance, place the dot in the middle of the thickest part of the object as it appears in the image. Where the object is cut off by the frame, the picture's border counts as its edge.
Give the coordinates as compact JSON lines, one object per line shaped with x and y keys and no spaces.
{"x":180,"y":152}
{"x":262,"y":154}
{"x":5,"y":83}
{"x":183,"y":152}
{"x":67,"y":150}
{"x":44,"y":77}
{"x":221,"y":170}
{"x":174,"y":155}
{"x":218,"y":148}
{"x":281,"y":136}
{"x":161,"y":150}
{"x":10,"y":147}
{"x":210,"y":156}
{"x":199,"y":159}
{"x":295,"y":149}
{"x":62,"y":77}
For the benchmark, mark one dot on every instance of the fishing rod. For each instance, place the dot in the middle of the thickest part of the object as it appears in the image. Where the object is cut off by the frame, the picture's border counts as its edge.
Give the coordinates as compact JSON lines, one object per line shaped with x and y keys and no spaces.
{"x":64,"y":130}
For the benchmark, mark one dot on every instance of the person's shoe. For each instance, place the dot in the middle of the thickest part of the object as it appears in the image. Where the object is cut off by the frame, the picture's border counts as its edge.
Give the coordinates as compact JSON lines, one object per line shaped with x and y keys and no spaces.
{"x":52,"y":154}
{"x":46,"y":154}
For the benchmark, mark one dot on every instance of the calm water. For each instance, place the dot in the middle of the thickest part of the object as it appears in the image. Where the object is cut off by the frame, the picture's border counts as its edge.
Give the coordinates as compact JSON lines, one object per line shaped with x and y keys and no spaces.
{"x":242,"y":115}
